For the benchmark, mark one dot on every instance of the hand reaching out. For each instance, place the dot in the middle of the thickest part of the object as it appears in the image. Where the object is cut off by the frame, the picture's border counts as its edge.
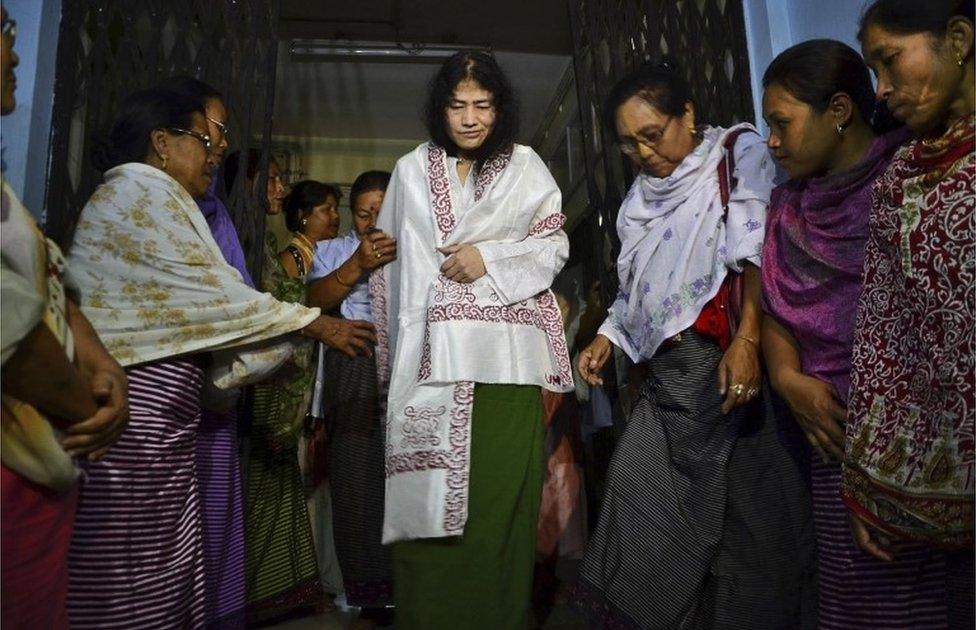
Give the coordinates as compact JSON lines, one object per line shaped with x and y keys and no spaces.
{"x":375,"y":250}
{"x":348,"y":336}
{"x":593,"y":358}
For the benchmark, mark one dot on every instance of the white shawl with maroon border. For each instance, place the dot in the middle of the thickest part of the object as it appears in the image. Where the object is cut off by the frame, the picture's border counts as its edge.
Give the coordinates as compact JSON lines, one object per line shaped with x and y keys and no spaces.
{"x":437,"y":338}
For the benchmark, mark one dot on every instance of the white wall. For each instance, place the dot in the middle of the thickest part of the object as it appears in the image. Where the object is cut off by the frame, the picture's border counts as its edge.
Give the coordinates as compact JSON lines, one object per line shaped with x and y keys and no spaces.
{"x":341,"y":160}
{"x":772,"y":26}
{"x":26,"y":132}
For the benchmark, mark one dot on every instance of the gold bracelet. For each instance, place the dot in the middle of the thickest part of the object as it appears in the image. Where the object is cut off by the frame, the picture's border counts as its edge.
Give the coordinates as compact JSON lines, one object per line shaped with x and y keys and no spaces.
{"x":749,"y":339}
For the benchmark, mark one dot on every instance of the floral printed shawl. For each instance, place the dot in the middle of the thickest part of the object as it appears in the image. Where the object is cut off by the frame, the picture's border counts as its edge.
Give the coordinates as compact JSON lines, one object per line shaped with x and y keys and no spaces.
{"x":154,"y":283}
{"x":675,"y":246}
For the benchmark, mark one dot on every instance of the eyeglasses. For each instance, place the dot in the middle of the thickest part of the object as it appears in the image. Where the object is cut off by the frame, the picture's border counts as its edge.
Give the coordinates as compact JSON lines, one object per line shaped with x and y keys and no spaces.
{"x":651,"y":140}
{"x":224,"y":131}
{"x":9,"y":28}
{"x":202,"y":137}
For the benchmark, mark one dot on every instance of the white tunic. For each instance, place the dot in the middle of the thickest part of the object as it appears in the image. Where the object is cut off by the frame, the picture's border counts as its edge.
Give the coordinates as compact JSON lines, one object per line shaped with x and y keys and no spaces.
{"x":438,"y":337}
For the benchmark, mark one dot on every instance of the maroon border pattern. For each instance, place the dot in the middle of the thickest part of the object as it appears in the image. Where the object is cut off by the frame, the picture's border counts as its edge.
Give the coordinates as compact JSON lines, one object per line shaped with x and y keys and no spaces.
{"x":552,"y":324}
{"x":425,"y":369}
{"x":490,"y":170}
{"x":420,"y":428}
{"x":446,"y":291}
{"x":381,"y":322}
{"x":551,"y":223}
{"x":415,"y":461}
{"x":440,"y":190}
{"x":440,"y":185}
{"x":546,"y":317}
{"x":456,"y":502}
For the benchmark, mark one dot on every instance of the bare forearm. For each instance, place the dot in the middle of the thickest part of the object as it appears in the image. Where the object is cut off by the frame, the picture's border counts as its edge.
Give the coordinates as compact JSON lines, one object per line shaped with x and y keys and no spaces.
{"x":782,"y":355}
{"x":328,"y":293}
{"x":90,"y":353}
{"x":750,"y":320}
{"x":40,"y":374}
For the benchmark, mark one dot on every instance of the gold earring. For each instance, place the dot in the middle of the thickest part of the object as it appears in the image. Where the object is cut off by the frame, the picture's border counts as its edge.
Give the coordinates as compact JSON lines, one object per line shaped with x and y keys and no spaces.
{"x":840,"y":129}
{"x":164,"y":162}
{"x":959,"y":61}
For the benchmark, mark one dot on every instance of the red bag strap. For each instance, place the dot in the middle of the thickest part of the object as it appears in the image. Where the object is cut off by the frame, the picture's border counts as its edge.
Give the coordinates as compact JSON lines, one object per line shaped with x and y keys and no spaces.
{"x":726,"y":168}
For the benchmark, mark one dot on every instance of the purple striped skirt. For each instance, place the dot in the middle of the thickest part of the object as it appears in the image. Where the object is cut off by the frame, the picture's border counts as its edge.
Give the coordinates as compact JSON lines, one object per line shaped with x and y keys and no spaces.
{"x":136,"y":558}
{"x":858,"y":591}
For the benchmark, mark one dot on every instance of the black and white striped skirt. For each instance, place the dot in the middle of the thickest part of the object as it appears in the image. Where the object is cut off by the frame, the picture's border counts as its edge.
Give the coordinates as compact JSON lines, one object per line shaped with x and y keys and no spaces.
{"x":705,"y":522}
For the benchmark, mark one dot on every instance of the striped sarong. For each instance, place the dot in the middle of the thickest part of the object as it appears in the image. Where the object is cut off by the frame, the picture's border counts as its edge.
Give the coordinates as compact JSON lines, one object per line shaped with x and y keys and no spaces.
{"x":219,"y":476}
{"x":281,"y":570}
{"x":136,"y":558}
{"x":858,"y":591}
{"x":705,"y":522}
{"x":357,"y":478}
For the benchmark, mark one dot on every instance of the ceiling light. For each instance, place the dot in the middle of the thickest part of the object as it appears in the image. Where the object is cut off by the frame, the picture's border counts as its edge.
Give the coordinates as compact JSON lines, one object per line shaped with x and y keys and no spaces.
{"x":326,"y":50}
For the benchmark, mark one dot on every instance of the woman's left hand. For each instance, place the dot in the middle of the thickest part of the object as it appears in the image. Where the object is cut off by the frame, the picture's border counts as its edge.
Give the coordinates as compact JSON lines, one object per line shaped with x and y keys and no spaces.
{"x":96,"y":435}
{"x":739,"y":376}
{"x":464,"y":263}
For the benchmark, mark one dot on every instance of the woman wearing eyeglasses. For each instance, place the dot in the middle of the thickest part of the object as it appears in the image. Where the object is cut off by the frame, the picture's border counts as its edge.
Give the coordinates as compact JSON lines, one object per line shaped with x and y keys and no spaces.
{"x":701,"y":520}
{"x":169,"y":308}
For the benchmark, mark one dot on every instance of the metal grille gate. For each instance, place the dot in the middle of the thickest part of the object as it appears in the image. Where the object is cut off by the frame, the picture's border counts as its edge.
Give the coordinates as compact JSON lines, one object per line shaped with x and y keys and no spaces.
{"x":109,"y":48}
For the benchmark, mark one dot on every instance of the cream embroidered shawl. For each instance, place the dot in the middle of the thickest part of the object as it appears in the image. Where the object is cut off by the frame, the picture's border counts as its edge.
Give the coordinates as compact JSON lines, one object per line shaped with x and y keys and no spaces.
{"x":154,"y":283}
{"x":438,"y":337}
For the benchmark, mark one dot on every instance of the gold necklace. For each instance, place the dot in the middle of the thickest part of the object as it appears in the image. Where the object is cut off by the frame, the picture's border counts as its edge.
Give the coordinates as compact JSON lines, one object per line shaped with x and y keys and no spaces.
{"x":304,"y":246}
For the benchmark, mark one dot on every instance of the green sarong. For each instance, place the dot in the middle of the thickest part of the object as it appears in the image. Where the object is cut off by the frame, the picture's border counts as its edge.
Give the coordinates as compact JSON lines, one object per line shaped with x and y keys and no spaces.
{"x":483,"y":579}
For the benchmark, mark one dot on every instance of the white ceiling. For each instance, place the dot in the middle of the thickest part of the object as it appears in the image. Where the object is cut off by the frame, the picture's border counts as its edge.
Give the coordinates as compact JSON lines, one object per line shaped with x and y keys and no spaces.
{"x":356,"y":100}
{"x":328,"y":99}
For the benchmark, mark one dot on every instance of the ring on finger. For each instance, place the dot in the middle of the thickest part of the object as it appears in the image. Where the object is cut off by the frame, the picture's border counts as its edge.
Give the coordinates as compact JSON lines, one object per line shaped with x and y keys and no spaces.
{"x":738,"y":388}
{"x":378,"y":254}
{"x":752,"y":392}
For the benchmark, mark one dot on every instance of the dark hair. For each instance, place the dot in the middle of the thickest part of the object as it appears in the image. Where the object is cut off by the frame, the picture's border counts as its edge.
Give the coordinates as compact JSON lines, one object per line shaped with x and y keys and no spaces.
{"x":191,"y":87}
{"x":814,"y":71}
{"x":232,"y":165}
{"x":482,"y":68}
{"x":914,"y":16}
{"x":305,"y":196}
{"x":139,"y":114}
{"x":368,"y":182}
{"x":660,"y":84}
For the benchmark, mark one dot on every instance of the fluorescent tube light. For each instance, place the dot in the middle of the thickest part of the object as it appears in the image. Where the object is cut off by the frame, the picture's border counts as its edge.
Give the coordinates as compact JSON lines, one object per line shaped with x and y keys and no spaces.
{"x":326,"y":50}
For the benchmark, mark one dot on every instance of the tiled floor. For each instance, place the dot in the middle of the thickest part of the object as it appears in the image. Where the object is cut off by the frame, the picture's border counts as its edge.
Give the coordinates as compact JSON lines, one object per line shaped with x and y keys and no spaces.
{"x":562,"y":618}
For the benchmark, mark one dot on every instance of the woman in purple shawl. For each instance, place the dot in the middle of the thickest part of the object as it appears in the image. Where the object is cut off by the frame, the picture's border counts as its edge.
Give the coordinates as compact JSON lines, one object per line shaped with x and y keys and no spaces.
{"x":818,"y":102}
{"x":217,"y":459}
